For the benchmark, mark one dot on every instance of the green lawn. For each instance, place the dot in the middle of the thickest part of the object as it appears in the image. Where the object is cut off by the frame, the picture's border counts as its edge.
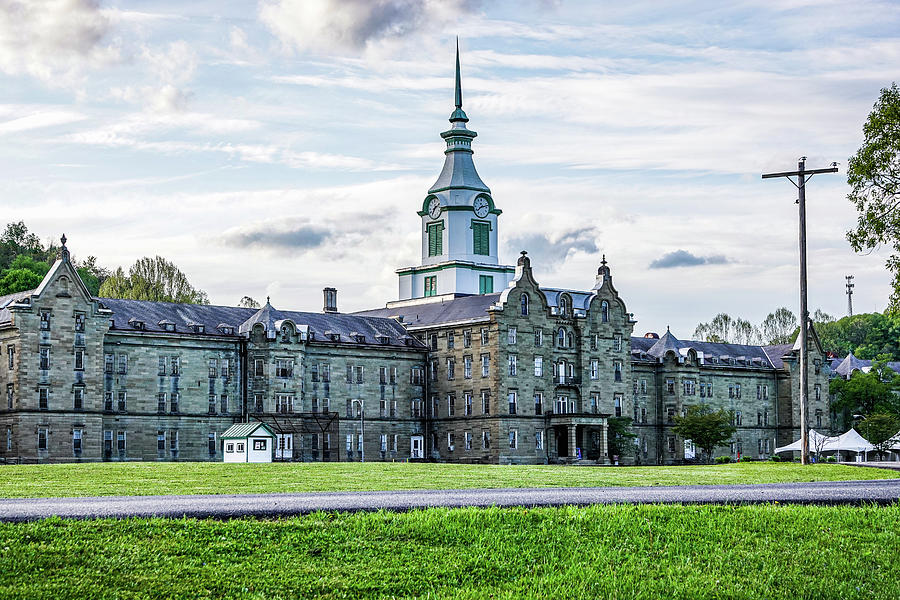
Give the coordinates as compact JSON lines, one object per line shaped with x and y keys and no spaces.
{"x":110,"y":479}
{"x":768,"y":551}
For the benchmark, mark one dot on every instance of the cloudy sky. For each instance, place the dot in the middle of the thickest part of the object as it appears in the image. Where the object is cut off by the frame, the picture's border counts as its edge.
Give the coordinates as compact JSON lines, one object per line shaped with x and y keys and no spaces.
{"x":280,"y":146}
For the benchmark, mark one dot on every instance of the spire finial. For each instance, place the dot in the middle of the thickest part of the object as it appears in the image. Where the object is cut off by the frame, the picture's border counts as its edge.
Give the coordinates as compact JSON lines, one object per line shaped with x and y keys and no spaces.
{"x":268,"y":299}
{"x":458,"y":80}
{"x":63,"y":252}
{"x":603,"y":261}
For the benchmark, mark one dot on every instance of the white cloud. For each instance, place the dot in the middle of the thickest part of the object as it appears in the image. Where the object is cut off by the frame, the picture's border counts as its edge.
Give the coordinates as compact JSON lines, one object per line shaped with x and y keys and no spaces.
{"x":57,"y":41}
{"x":39,"y":120}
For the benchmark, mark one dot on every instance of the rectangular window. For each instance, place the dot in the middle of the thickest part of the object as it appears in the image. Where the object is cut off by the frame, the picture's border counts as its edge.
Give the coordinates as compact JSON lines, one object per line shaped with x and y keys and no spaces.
{"x":738,"y":418}
{"x":468,"y":438}
{"x":259,"y":369}
{"x":9,"y":396}
{"x":163,"y":366}
{"x":485,"y":284}
{"x":383,"y":443}
{"x":513,"y":399}
{"x":211,"y":409}
{"x":211,"y":443}
{"x":485,"y":439}
{"x":467,"y":338}
{"x":765,"y":392}
{"x":670,"y":414}
{"x":538,"y":366}
{"x":737,"y":390}
{"x":76,"y":441}
{"x":394,"y":439}
{"x":161,"y":441}
{"x":513,"y":365}
{"x":595,"y":341}
{"x":538,"y":403}
{"x":213,"y":368}
{"x":617,"y":366}
{"x":416,"y":409}
{"x":617,"y":343}
{"x":538,"y":337}
{"x":511,"y":335}
{"x":484,"y":336}
{"x":485,"y":402}
{"x":45,"y":358}
{"x":643,"y":415}
{"x":360,"y":372}
{"x":284,"y":368}
{"x":161,"y":402}
{"x":45,"y":320}
{"x":617,"y":404}
{"x":481,"y":238}
{"x":417,"y":376}
{"x":451,"y":367}
{"x":467,"y":367}
{"x":671,"y":444}
{"x":226,"y":367}
{"x":539,"y":439}
{"x":120,"y":442}
{"x":123,"y":364}
{"x":431,"y":285}
{"x":108,"y":362}
{"x":43,"y":398}
{"x":450,"y":442}
{"x":451,"y":405}
{"x":451,"y":343}
{"x":595,"y":403}
{"x":123,"y":396}
{"x":175,"y":363}
{"x":595,"y":369}
{"x":485,"y":365}
{"x":107,"y":442}
{"x":468,"y":402}
{"x":325,"y":372}
{"x":223,"y":403}
{"x":42,"y":439}
{"x":758,"y":392}
{"x":670,"y":386}
{"x":513,"y":439}
{"x":818,"y":390}
{"x":174,"y":398}
{"x":382,"y":375}
{"x":643,"y":386}
{"x":435,"y":239}
{"x":78,"y":400}
{"x":107,"y":401}
{"x":765,"y":418}
{"x":10,"y":355}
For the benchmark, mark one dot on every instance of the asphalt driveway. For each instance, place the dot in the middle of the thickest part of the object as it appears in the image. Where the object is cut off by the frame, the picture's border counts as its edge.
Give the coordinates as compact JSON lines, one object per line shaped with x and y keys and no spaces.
{"x":885,"y":491}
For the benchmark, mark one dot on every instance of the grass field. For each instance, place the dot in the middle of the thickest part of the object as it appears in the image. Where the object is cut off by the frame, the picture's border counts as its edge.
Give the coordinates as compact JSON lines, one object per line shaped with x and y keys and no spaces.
{"x":598,"y":552}
{"x":117,"y":479}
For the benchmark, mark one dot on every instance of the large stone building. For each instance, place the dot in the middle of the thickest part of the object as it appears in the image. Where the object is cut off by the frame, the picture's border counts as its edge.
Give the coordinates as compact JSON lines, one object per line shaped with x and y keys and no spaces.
{"x":476,"y":362}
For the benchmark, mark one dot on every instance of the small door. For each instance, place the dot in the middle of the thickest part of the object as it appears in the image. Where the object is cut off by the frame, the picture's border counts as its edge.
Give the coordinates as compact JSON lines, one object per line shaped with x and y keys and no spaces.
{"x":284,"y":446}
{"x":417,"y":446}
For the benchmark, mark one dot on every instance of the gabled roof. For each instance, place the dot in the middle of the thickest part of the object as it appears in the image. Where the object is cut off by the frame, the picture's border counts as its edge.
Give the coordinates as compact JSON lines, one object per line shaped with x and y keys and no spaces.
{"x":666,"y":343}
{"x":458,"y":309}
{"x":850,"y":364}
{"x":777,"y":353}
{"x":242,"y":430}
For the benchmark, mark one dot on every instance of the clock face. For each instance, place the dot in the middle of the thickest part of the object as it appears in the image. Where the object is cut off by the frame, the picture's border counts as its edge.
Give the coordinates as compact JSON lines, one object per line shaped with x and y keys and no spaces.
{"x":434,"y":208}
{"x":482,"y":206}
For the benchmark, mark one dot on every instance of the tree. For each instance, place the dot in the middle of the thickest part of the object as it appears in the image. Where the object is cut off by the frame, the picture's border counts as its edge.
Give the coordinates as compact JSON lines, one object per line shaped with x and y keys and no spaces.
{"x":154,"y":279}
{"x":879,"y":429}
{"x":727,"y":329}
{"x":779,"y":327}
{"x":619,"y":436}
{"x":18,"y":280}
{"x":866,"y":335}
{"x":874,"y":177}
{"x":248,"y":302}
{"x":868,"y":393}
{"x":706,"y":427}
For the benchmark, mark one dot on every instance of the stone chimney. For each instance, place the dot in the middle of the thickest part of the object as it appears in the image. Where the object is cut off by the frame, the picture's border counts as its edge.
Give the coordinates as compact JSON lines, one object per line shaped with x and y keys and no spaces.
{"x":330,"y":300}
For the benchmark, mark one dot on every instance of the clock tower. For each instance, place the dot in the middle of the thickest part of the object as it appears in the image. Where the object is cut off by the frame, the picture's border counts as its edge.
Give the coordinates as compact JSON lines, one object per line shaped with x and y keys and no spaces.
{"x":459,"y":224}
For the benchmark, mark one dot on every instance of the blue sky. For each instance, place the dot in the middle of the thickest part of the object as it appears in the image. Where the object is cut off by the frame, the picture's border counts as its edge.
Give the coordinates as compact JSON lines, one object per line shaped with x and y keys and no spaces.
{"x":278,"y":147}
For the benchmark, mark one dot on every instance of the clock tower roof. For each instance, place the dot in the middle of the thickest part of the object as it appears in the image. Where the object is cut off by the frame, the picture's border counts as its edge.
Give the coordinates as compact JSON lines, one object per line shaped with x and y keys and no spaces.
{"x":459,"y":169}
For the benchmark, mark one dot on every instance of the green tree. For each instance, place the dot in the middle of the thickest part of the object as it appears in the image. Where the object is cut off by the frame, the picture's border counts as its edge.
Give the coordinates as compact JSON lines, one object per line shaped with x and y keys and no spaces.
{"x":248,"y":302}
{"x":874,"y":177}
{"x":868,"y":393}
{"x":18,"y":280}
{"x":619,"y":436}
{"x":866,"y":335}
{"x":706,"y":427}
{"x":779,"y":327}
{"x":154,"y":279}
{"x":879,"y":429}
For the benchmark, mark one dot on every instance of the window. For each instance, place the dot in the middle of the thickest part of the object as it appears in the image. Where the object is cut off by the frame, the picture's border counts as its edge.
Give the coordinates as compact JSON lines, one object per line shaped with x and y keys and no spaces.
{"x":738,"y":418}
{"x":211,"y":409}
{"x":175,"y":363}
{"x":360,"y":374}
{"x":765,"y":392}
{"x":163,"y":366}
{"x":643,"y":415}
{"x":382,"y":375}
{"x":670,"y":414}
{"x":513,"y":439}
{"x":484,"y":336}
{"x":431,"y":285}
{"x":213,"y":368}
{"x":617,"y":404}
{"x":481,"y":238}
{"x":643,"y":386}
{"x":122,"y":400}
{"x":226,"y":367}
{"x":259,"y":369}
{"x":450,"y":442}
{"x":435,"y":240}
{"x":485,"y":365}
{"x":513,"y":364}
{"x":765,"y":418}
{"x":123,"y":364}
{"x":538,"y":337}
{"x":42,"y":437}
{"x":394,"y":442}
{"x":511,"y":335}
{"x":564,"y":306}
{"x":562,"y":405}
{"x":737,"y":390}
{"x":485,"y":402}
{"x":467,"y":398}
{"x":451,"y":404}
{"x":524,"y":305}
{"x":617,"y":343}
{"x":467,"y":367}
{"x":818,"y":389}
{"x":417,"y":376}
{"x":485,"y":439}
{"x":120,"y":442}
{"x":173,"y":401}
{"x":223,"y":403}
{"x":468,"y":437}
{"x":434,"y":343}
{"x":539,"y":439}
{"x":450,"y":341}
{"x":604,"y":311}
{"x":284,"y":367}
{"x":512,"y":398}
{"x":671,"y":444}
{"x":617,"y":365}
{"x":595,"y":403}
{"x":76,"y":441}
{"x":107,"y":401}
{"x":325,"y":372}
{"x":9,"y":396}
{"x":670,"y":386}
{"x":451,"y":367}
{"x":758,"y":392}
{"x":45,"y":320}
{"x":432,"y":370}
{"x":45,"y":358}
{"x":78,"y":398}
{"x":595,"y":369}
{"x":485,"y":284}
{"x":211,"y":443}
{"x":108,"y":362}
{"x":259,"y":445}
{"x":161,"y":441}
{"x":383,"y":443}
{"x":107,"y":442}
{"x":538,"y":403}
{"x":690,"y":387}
{"x":161,"y":402}
{"x":43,"y":398}
{"x":11,"y":355}
{"x":467,"y":338}
{"x":538,"y":366}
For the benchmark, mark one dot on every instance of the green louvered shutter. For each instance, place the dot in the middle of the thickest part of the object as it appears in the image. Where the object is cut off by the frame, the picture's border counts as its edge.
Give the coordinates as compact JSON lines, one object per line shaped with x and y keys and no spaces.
{"x":435,"y":241}
{"x":481,"y":238}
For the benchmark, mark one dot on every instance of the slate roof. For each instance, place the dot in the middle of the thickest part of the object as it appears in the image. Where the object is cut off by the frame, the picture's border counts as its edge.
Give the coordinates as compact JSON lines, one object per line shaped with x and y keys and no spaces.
{"x":454,"y":310}
{"x":850,"y":363}
{"x":5,"y":315}
{"x":658,"y":347}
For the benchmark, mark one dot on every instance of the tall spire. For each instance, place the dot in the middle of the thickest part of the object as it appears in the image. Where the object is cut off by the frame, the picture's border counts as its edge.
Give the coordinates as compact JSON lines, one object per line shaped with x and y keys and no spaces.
{"x":458,"y":81}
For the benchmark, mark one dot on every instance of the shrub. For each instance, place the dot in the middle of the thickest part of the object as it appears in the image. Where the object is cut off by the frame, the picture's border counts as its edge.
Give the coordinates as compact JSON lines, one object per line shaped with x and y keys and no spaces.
{"x":775,"y":458}
{"x":830,"y":459}
{"x":746,"y":459}
{"x":721,"y":460}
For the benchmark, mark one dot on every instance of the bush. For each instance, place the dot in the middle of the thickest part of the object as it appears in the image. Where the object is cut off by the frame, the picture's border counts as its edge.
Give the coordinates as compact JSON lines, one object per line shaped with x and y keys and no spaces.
{"x":746,"y":459}
{"x":722,"y":460}
{"x":775,"y":458}
{"x":830,"y":459}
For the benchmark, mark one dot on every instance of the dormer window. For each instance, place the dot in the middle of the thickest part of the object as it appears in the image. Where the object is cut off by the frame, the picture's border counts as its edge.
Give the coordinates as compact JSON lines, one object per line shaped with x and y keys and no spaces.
{"x":137,"y":324}
{"x":565,"y":306}
{"x":334,"y":337}
{"x":225,"y":329}
{"x":383,"y":339}
{"x":358,"y":337}
{"x":197,"y":327}
{"x":167,"y":326}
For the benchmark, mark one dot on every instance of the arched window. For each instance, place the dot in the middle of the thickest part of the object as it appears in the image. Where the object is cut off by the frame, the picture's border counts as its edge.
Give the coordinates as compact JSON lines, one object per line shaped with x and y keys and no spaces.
{"x":524,"y":305}
{"x":564,"y":305}
{"x":569,"y":341}
{"x":604,"y":311}
{"x":561,"y":338}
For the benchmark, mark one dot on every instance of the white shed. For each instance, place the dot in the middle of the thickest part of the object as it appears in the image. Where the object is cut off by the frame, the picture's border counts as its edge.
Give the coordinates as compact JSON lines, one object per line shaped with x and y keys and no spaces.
{"x":248,"y":442}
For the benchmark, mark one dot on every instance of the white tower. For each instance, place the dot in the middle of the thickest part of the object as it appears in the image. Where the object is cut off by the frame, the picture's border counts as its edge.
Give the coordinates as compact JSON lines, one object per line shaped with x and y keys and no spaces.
{"x":459,"y":224}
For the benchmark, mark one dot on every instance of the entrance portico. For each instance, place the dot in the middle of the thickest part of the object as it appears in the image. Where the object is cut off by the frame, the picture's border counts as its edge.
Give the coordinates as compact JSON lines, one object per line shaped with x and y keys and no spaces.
{"x":578,"y":437}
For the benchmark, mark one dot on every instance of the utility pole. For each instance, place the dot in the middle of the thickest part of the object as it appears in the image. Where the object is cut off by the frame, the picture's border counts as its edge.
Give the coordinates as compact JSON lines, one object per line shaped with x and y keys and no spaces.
{"x":803,"y":176}
{"x":850,"y":286}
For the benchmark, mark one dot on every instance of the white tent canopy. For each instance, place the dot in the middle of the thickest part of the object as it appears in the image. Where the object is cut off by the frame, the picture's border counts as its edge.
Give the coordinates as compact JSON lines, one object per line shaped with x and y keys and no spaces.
{"x":896,"y":442}
{"x":816,"y":439}
{"x":850,"y":441}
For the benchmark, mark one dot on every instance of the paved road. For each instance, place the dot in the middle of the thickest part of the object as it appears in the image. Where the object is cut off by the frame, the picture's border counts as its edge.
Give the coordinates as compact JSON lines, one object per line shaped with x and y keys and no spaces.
{"x":278,"y":505}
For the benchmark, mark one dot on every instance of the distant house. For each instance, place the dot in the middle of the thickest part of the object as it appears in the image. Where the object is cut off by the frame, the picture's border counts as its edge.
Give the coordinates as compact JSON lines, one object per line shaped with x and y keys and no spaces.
{"x":248,"y":442}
